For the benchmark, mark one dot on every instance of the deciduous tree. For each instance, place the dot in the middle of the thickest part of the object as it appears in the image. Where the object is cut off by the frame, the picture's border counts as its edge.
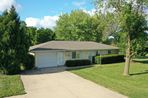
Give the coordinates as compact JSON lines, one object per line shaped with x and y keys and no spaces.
{"x":130,"y":16}
{"x":78,"y":25}
{"x":44,"y":35}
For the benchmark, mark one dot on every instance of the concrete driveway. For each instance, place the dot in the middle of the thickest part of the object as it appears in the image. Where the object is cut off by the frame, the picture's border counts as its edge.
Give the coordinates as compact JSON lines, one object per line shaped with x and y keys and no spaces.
{"x":63,"y":85}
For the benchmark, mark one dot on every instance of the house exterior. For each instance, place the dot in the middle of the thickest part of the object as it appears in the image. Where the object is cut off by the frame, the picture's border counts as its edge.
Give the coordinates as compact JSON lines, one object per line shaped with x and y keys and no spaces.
{"x":55,"y":53}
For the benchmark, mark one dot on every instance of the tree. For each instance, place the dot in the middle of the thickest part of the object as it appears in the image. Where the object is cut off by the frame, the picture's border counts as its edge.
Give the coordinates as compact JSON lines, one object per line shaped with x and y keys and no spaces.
{"x":78,"y":25}
{"x":107,"y":26}
{"x":32,"y":33}
{"x":13,"y":42}
{"x":44,"y":35}
{"x":131,"y":19}
{"x":40,"y":35}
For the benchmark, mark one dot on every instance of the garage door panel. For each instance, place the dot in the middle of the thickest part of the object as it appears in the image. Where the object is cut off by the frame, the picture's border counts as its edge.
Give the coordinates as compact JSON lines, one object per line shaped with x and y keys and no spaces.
{"x":46,"y":60}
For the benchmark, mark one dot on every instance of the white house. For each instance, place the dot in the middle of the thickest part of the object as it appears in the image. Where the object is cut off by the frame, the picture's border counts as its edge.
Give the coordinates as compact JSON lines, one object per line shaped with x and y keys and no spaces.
{"x":55,"y":53}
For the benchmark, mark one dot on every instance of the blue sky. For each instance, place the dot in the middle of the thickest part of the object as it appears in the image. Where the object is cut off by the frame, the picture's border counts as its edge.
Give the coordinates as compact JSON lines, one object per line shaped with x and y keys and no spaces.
{"x":45,"y":13}
{"x":40,"y":8}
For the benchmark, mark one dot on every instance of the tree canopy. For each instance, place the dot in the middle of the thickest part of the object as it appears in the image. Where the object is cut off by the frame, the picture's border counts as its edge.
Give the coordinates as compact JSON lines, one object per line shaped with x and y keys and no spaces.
{"x":44,"y":35}
{"x":78,"y":25}
{"x":131,"y":19}
{"x":40,"y":35}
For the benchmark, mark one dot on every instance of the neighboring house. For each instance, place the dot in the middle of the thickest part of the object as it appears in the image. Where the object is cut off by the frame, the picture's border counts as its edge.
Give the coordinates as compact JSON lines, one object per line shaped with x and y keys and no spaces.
{"x":55,"y":53}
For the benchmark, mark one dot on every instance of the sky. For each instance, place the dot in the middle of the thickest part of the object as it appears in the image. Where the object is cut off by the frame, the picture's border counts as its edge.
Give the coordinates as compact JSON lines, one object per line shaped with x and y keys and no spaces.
{"x":45,"y":13}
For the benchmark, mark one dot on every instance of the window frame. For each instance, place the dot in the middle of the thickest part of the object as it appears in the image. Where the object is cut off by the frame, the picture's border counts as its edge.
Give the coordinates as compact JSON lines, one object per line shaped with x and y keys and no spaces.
{"x":74,"y":55}
{"x":109,"y":51}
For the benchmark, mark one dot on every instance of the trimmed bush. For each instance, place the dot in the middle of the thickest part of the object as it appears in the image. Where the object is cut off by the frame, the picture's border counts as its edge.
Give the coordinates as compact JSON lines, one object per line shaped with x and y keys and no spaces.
{"x":107,"y":59}
{"x":72,"y":63}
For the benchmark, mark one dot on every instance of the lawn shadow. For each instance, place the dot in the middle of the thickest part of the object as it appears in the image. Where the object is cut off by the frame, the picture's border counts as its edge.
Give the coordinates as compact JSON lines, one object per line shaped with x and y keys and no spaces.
{"x":144,"y":61}
{"x":140,"y":73}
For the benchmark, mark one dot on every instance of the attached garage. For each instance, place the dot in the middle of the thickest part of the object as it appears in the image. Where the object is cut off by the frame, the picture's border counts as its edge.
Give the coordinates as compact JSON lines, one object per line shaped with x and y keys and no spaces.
{"x":46,"y":59}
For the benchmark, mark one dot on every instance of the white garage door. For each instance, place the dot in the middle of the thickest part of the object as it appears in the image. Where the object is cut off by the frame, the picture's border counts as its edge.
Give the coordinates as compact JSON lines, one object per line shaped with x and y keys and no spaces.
{"x":46,"y":59}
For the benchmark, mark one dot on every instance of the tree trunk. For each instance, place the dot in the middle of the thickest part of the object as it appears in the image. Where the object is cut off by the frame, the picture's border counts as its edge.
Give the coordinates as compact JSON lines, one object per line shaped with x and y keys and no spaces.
{"x":128,"y":58}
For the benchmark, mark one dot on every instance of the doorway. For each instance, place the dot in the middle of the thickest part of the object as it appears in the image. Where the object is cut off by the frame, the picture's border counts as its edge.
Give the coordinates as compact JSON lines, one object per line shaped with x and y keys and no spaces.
{"x":60,"y":58}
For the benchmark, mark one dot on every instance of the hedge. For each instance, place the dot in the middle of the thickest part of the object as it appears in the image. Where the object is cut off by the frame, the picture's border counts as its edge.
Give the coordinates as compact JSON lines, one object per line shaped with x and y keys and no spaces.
{"x":106,"y":59}
{"x":72,"y":63}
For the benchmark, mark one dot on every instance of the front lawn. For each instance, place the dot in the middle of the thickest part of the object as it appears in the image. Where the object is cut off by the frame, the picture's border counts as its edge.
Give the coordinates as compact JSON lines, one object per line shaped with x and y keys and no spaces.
{"x":110,"y":76}
{"x":10,"y":85}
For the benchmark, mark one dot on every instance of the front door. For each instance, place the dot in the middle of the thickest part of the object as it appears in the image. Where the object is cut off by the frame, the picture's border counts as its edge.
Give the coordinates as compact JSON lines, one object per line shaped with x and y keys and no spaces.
{"x":90,"y":55}
{"x":60,"y":58}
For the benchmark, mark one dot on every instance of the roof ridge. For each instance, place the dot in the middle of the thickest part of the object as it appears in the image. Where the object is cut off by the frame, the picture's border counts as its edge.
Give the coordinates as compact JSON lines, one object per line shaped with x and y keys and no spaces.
{"x":72,"y":45}
{"x":38,"y":45}
{"x":106,"y":44}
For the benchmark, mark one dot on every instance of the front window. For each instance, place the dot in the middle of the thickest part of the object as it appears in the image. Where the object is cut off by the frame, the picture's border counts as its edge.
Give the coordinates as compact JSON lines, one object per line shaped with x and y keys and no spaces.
{"x":73,"y":55}
{"x":77,"y":55}
{"x":109,"y":51}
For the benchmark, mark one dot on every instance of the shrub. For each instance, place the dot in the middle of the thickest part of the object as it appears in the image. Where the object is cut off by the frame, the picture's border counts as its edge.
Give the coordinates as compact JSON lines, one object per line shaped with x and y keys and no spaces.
{"x":72,"y":63}
{"x":14,"y":66}
{"x":13,"y":69}
{"x":10,"y":69}
{"x":29,"y":63}
{"x":106,"y":59}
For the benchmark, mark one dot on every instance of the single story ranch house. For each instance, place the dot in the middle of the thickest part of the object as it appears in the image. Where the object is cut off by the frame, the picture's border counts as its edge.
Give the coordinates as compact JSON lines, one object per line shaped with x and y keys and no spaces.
{"x":55,"y":53}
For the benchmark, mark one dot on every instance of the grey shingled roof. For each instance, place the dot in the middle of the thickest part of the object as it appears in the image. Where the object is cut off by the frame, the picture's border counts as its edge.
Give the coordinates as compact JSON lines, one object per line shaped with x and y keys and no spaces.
{"x":71,"y":45}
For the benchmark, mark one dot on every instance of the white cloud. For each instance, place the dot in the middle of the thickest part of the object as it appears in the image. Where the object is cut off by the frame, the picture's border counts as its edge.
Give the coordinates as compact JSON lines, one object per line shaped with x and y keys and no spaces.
{"x":49,"y":21}
{"x":6,"y":4}
{"x":79,"y":4}
{"x":90,"y":12}
{"x":30,"y":21}
{"x":104,"y":9}
{"x":45,"y":22}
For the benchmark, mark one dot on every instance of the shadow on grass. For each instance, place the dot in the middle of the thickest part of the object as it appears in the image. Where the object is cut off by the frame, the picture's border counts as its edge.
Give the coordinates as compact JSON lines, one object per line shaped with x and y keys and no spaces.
{"x":143,"y":57}
{"x":142,"y":61}
{"x":140,"y":73}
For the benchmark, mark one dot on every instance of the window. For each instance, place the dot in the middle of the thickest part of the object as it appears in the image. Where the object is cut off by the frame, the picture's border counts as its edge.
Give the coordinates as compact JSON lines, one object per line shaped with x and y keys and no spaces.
{"x":73,"y":55}
{"x":77,"y":55}
{"x":98,"y":53}
{"x":67,"y":55}
{"x":109,"y":51}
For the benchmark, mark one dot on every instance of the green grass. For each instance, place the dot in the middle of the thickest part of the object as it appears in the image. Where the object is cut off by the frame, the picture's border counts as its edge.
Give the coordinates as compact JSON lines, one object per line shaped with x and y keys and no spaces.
{"x":141,"y":59}
{"x":111,"y":76}
{"x":10,"y":85}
